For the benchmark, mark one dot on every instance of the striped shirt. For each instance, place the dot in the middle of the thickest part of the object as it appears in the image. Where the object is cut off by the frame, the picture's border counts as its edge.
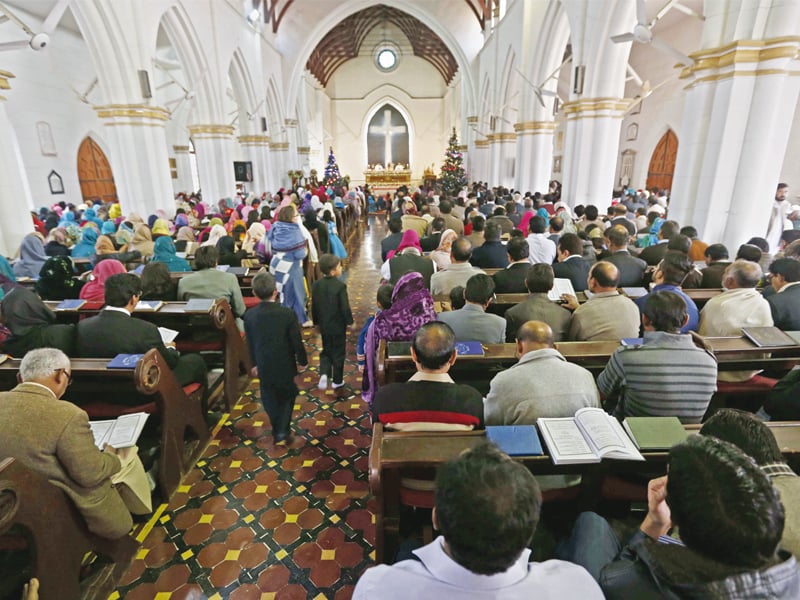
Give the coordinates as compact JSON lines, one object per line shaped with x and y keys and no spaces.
{"x":668,"y":376}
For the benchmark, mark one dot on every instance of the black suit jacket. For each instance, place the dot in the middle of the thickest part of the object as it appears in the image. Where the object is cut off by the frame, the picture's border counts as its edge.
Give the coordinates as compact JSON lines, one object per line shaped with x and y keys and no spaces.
{"x":574,"y":269}
{"x":785,"y":308}
{"x":492,"y":255}
{"x":652,"y":255}
{"x":430,"y":242}
{"x":511,"y":280}
{"x":631,"y":269}
{"x":389,"y":243}
{"x":712,"y":274}
{"x":274,"y":341}
{"x":112,"y":332}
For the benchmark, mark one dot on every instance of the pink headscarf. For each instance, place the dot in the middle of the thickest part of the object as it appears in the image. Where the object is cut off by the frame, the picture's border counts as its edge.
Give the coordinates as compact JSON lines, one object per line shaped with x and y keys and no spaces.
{"x":95,"y":289}
{"x":410,"y":239}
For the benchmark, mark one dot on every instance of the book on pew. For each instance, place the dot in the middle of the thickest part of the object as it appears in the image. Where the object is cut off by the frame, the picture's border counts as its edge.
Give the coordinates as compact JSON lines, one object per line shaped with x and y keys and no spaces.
{"x":655,"y":433}
{"x":469,"y":349}
{"x":561,"y":286}
{"x":238,"y":271}
{"x":632,"y":341}
{"x":199,"y":305}
{"x":124,"y":361}
{"x":70,"y":304}
{"x":122,"y":432}
{"x":148,"y":305}
{"x":223,"y":268}
{"x":515,"y":440}
{"x":167,"y":335}
{"x":398,"y":348}
{"x":634,"y":292}
{"x":768,"y":336}
{"x":588,"y":437}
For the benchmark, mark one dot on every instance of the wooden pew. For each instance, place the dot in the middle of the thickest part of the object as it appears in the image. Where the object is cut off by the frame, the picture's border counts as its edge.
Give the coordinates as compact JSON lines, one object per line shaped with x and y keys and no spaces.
{"x":56,"y":531}
{"x":92,"y":381}
{"x":392,"y":452}
{"x":732,"y":354}
{"x":219,"y":320}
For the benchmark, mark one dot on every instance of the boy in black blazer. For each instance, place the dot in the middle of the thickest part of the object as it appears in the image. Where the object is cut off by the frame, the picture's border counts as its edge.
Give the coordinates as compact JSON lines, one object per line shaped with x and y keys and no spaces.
{"x":330,"y":310}
{"x":273,"y":337}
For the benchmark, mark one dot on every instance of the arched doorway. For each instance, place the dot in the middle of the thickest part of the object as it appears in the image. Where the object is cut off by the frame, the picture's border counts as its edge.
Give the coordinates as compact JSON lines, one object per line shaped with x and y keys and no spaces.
{"x":387,"y":138}
{"x":662,"y":163}
{"x":94,"y":173}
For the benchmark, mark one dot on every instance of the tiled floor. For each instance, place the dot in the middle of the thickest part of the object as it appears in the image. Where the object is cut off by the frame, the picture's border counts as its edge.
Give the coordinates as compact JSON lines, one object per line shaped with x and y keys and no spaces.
{"x":258,"y":521}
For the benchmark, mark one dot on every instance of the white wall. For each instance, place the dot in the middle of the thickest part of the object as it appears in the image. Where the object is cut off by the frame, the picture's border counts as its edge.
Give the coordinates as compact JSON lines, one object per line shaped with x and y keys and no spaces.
{"x":790,"y":173}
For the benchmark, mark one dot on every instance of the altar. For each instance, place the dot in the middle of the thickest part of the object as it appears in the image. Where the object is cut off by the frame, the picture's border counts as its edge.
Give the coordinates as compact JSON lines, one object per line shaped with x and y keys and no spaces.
{"x":381,"y":181}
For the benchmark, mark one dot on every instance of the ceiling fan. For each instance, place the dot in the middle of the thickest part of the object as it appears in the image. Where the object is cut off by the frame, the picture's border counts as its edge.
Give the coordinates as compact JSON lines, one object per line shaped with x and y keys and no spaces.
{"x":36,"y":40}
{"x":84,"y":97}
{"x":642,"y":32}
{"x":539,"y":90}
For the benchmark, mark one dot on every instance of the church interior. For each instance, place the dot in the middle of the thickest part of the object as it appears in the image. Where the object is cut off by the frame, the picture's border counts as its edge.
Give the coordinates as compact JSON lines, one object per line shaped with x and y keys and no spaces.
{"x":136,"y":102}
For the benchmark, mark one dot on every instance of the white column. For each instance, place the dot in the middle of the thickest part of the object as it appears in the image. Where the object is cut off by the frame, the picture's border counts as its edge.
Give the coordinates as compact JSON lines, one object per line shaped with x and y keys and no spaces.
{"x":469,"y":157}
{"x":502,"y":147}
{"x":139,"y":156}
{"x":304,"y":159}
{"x":482,"y":160}
{"x":279,"y":152}
{"x":590,"y":149}
{"x":534,"y":155}
{"x":737,"y":116}
{"x":257,"y":149}
{"x":15,"y":192}
{"x":293,"y":161}
{"x":183,"y":164}
{"x":213,"y":147}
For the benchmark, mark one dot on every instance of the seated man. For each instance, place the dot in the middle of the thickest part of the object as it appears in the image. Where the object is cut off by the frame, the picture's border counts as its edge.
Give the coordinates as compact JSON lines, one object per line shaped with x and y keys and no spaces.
{"x":668,"y":276}
{"x":430,"y":400}
{"x":667,"y":376}
{"x":542,"y":248}
{"x":785,"y":302}
{"x":208,"y":282}
{"x":571,"y":264}
{"x":492,"y":253}
{"x":511,"y":280}
{"x":716,"y":257}
{"x":457,"y":272}
{"x":561,"y":387}
{"x":537,"y":306}
{"x":739,"y":305}
{"x":53,"y":438}
{"x":392,"y":241}
{"x":752,"y":437}
{"x":486,"y":507}
{"x":114,"y":331}
{"x":730,"y":520}
{"x":652,"y":255}
{"x":472,"y":322}
{"x":430,"y":242}
{"x":631,"y":269}
{"x":606,"y":315}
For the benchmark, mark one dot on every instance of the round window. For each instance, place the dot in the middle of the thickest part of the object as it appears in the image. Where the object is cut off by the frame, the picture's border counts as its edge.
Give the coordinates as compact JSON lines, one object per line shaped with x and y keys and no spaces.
{"x":387,"y":59}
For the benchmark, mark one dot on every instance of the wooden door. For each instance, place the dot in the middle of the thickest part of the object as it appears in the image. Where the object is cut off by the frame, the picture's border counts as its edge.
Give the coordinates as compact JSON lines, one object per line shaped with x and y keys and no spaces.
{"x":662,"y":163}
{"x":94,"y":173}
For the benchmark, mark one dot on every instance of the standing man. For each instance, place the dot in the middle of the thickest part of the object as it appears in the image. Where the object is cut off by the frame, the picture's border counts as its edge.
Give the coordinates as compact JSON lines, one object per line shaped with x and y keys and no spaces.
{"x":274,"y":341}
{"x":780,"y":212}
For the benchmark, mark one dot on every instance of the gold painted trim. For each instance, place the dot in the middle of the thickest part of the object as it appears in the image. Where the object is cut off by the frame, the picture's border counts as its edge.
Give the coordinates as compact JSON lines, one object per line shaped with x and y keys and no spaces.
{"x":463,"y":148}
{"x":481,"y":143}
{"x":594,"y":105}
{"x":742,"y":52}
{"x":472,"y":120}
{"x":304,"y":149}
{"x":181,"y":148}
{"x":7,"y":74}
{"x":732,"y":74}
{"x":290,"y":122}
{"x":501,"y":137}
{"x":224,"y":130}
{"x":133,"y":124}
{"x":279,"y":145}
{"x":135,"y":111}
{"x":535,"y":127}
{"x":253,"y":139}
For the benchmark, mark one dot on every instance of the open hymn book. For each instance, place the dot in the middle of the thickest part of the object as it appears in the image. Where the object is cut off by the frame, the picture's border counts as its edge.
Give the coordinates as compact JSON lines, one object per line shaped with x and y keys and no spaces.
{"x":122,"y":432}
{"x":588,"y":437}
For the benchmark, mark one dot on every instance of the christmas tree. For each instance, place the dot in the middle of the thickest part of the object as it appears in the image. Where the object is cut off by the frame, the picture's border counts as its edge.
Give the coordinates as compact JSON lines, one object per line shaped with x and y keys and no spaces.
{"x":332,"y":176}
{"x":453,"y":178}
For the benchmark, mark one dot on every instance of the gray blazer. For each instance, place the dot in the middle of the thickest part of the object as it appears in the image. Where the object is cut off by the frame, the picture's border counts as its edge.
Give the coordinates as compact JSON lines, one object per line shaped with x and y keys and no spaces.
{"x":471,"y":324}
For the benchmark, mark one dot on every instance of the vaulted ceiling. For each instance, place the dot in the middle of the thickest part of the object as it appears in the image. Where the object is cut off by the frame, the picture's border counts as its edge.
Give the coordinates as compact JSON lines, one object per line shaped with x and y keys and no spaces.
{"x":344,"y":41}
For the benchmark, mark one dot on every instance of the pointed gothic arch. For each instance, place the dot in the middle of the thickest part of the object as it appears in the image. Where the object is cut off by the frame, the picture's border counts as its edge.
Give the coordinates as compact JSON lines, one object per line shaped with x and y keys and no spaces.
{"x":662,"y":162}
{"x":370,"y":114}
{"x":94,"y":172}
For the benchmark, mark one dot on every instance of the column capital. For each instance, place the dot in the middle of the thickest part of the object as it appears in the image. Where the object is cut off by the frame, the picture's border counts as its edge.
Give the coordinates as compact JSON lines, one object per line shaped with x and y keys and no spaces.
{"x":304,"y":149}
{"x":279,"y":145}
{"x":472,"y":120}
{"x":745,"y":58}
{"x":482,"y":143}
{"x":211,"y":131}
{"x":493,"y":138}
{"x":140,"y":115}
{"x":595,"y":108}
{"x":4,"y":84}
{"x":181,"y":149}
{"x":290,"y":122}
{"x":254,"y":140}
{"x":528,"y":127}
{"x":463,"y":148}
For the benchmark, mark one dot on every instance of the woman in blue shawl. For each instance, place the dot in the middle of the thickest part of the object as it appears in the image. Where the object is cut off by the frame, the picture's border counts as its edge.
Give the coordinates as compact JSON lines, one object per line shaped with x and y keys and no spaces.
{"x":288,"y":251}
{"x":164,"y":252}
{"x":85,"y":248}
{"x":108,"y":228}
{"x":31,"y":257}
{"x":90,"y":215}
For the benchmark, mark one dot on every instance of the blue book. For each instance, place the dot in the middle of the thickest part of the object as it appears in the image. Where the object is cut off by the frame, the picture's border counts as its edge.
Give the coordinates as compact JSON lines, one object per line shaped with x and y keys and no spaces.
{"x":124,"y":361}
{"x":632,"y":341}
{"x":515,"y":440}
{"x":70,"y":304}
{"x":469,"y":349}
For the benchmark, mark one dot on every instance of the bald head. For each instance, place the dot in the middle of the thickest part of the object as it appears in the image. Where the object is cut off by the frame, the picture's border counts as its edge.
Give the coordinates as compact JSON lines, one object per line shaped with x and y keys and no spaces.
{"x":534,"y":335}
{"x":603,"y":277}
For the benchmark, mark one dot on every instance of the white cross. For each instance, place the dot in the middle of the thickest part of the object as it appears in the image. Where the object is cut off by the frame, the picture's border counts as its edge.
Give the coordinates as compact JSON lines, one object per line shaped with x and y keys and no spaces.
{"x":387,"y":130}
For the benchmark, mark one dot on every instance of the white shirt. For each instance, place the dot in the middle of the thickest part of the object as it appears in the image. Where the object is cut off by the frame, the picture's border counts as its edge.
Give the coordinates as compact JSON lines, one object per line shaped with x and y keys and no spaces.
{"x":777,"y":219}
{"x":541,"y":249}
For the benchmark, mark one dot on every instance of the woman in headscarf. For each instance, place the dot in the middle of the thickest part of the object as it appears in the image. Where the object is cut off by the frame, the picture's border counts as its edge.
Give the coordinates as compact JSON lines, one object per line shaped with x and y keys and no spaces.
{"x":67,"y":219}
{"x":157,"y":283}
{"x":57,"y":280}
{"x":288,"y":251}
{"x":31,"y":256}
{"x":181,"y":220}
{"x":254,"y":241}
{"x":115,"y":211}
{"x":217,"y":233}
{"x":90,"y":215}
{"x":160,"y":228}
{"x":57,"y":243}
{"x":228,"y":254}
{"x":410,"y":239}
{"x":33,"y":325}
{"x":142,"y":241}
{"x":104,"y":249}
{"x":124,"y":235}
{"x":164,"y":252}
{"x":252,"y":217}
{"x":441,"y":256}
{"x":108,"y":228}
{"x":85,"y":248}
{"x":335,"y":243}
{"x":94,"y":289}
{"x":312,"y":224}
{"x":185,"y":240}
{"x":412,"y":307}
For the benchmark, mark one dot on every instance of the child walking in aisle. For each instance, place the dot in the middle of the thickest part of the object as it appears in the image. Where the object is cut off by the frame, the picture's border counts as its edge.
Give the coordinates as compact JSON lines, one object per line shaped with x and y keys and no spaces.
{"x":330,"y":310}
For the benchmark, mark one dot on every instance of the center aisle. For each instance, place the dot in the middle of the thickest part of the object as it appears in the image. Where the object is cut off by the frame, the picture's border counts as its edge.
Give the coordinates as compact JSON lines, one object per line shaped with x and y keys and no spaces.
{"x":258,"y":521}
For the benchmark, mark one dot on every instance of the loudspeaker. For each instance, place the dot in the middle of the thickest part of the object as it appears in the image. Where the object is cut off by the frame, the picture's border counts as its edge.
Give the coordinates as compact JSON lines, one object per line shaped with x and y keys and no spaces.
{"x":144,"y":84}
{"x":580,"y":73}
{"x":264,"y":124}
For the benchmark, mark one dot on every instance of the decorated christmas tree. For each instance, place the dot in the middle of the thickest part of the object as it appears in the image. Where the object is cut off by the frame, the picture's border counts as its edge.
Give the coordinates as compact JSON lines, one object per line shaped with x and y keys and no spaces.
{"x":332,"y":176}
{"x":453,"y":178}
